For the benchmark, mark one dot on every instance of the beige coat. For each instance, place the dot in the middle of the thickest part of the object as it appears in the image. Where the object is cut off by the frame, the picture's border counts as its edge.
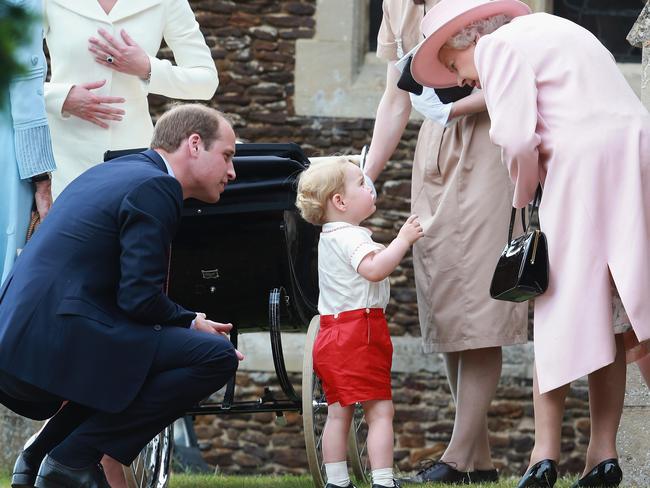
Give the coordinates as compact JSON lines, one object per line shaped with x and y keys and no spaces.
{"x":79,"y":144}
{"x":462,"y":194}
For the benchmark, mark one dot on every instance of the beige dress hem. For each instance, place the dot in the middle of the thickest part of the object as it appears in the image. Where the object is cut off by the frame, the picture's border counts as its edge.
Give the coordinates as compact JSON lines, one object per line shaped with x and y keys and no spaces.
{"x":462,"y":345}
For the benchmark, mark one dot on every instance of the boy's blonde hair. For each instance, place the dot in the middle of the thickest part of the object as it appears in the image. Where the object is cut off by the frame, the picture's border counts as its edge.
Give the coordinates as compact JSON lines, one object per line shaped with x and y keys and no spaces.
{"x":317,"y":184}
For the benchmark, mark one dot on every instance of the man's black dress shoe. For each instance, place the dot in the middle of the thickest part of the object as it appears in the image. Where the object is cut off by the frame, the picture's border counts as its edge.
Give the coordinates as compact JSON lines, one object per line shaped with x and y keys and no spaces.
{"x":53,"y":474}
{"x":484,"y":476}
{"x":607,"y":474}
{"x":330,"y":485}
{"x":25,"y":470}
{"x":439,"y":472}
{"x":540,"y":475}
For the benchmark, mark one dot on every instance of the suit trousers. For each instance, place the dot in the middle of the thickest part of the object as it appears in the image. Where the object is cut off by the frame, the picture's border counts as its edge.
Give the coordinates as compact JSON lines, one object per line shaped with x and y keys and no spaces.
{"x":188,"y":366}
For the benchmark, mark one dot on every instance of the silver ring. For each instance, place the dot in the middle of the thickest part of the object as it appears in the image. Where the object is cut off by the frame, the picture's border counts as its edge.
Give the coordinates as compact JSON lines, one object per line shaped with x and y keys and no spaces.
{"x":109,"y":59}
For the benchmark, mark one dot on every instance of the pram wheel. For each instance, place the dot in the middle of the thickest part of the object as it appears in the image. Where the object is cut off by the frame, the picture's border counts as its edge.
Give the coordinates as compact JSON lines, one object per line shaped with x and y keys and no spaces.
{"x":152,"y":467}
{"x":314,"y":415}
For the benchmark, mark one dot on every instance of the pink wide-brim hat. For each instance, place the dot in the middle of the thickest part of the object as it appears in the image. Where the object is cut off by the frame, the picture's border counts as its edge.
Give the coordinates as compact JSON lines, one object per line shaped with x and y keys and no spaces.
{"x":443,"y":21}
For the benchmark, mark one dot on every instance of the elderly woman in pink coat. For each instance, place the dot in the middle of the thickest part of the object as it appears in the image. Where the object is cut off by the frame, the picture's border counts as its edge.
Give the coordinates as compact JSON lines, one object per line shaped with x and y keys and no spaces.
{"x":564,"y":117}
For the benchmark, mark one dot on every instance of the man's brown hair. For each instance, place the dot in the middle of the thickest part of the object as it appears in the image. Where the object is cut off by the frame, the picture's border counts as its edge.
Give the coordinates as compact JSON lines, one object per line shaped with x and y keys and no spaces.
{"x":183,"y":120}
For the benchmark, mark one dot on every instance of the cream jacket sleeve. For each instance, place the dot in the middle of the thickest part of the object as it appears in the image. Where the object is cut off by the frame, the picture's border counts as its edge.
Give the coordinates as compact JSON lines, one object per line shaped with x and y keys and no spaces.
{"x":195,"y":75}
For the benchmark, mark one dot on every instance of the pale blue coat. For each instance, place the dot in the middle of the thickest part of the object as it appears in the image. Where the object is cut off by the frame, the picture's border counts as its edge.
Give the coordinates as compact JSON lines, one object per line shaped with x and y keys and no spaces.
{"x":25,"y":145}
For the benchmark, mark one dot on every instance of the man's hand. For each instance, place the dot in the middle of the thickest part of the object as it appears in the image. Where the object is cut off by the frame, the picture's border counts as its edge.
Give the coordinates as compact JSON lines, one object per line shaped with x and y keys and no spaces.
{"x":204,"y":325}
{"x":411,"y":231}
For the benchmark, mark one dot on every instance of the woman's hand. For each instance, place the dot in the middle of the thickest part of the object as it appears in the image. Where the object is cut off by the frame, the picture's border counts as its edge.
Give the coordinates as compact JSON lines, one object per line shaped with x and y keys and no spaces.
{"x":43,"y":197}
{"x":471,"y":104}
{"x":83,"y":103}
{"x":429,"y":104}
{"x":126,"y":57}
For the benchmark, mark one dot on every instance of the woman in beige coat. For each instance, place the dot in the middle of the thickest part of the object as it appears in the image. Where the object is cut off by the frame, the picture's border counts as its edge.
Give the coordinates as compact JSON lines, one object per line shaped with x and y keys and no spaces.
{"x":461,"y":192}
{"x":104,"y":64}
{"x":594,"y":165}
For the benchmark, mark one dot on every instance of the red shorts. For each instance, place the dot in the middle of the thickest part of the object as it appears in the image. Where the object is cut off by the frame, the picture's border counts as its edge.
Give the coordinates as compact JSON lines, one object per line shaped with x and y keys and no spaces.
{"x":353,"y":355}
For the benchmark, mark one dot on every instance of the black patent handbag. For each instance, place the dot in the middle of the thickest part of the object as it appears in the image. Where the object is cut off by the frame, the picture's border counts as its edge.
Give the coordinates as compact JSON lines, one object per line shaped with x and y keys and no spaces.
{"x":406,"y":81}
{"x":522,"y":270}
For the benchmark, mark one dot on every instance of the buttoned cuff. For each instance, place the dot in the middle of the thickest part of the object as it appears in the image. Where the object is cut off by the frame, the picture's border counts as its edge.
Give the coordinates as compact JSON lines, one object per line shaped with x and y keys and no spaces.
{"x":34,"y":151}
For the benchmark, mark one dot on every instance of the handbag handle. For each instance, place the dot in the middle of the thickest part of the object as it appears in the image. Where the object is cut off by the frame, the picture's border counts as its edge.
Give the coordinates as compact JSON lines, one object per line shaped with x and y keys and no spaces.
{"x":533,"y":218}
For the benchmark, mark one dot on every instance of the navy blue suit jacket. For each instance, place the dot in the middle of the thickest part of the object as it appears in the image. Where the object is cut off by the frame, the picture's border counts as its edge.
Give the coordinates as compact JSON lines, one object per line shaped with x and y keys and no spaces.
{"x":81,"y":311}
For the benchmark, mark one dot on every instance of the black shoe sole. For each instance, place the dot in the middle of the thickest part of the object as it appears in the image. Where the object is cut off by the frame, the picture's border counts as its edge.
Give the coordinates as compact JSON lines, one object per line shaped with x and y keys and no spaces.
{"x":22,"y":481}
{"x":43,"y":483}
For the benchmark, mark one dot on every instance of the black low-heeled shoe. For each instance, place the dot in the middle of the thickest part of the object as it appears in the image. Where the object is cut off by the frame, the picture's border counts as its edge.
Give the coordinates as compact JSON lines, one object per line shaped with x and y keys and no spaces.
{"x":439,"y":472}
{"x":483,"y":476}
{"x":540,"y":475}
{"x":607,"y":474}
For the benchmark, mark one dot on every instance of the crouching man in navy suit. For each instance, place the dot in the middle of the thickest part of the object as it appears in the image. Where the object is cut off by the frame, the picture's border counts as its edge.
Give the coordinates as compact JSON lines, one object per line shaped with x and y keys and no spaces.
{"x":83,"y":315}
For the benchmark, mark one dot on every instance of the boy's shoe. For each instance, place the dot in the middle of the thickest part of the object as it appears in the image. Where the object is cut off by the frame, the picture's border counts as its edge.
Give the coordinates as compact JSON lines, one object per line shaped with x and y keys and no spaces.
{"x":396,"y":483}
{"x":330,"y":485}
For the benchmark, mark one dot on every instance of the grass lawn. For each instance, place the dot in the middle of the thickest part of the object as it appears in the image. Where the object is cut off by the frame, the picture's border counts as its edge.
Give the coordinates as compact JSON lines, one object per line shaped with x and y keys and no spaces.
{"x":203,"y":481}
{"x":194,"y":481}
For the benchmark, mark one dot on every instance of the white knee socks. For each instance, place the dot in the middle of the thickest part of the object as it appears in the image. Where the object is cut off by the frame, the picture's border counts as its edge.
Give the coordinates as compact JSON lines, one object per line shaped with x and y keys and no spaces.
{"x":383,"y":477}
{"x":337,"y":474}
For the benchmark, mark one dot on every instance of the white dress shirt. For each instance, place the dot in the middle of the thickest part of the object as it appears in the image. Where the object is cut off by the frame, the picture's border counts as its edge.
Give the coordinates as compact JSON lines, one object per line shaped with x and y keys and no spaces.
{"x":341,"y":249}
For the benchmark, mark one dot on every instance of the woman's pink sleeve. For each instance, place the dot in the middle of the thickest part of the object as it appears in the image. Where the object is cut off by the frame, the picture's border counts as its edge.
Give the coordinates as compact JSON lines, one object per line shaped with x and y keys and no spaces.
{"x":510,"y":88}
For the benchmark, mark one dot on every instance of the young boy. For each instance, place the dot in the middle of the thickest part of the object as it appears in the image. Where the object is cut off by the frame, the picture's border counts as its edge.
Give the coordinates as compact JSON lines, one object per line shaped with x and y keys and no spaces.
{"x":353,"y":351}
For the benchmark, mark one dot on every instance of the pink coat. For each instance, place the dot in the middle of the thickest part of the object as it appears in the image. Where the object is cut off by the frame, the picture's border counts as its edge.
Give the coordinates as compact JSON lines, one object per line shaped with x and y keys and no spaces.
{"x":564,"y":115}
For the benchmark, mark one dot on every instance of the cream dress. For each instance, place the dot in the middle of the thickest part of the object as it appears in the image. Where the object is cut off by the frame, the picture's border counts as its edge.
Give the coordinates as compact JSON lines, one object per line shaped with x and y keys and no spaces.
{"x":462,"y":193}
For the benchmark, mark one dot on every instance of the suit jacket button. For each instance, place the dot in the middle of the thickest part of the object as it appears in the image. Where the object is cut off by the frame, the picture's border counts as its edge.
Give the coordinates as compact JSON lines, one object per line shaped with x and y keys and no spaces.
{"x":34,"y":60}
{"x":157,"y":327}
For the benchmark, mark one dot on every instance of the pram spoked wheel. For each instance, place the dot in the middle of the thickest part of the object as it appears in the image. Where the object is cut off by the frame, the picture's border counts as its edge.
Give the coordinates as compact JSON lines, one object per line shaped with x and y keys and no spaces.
{"x":314,"y":415}
{"x":152,"y":467}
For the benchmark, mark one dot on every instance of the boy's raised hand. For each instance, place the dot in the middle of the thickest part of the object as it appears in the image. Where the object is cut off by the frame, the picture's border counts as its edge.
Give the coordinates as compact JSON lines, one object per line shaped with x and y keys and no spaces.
{"x":411,"y":231}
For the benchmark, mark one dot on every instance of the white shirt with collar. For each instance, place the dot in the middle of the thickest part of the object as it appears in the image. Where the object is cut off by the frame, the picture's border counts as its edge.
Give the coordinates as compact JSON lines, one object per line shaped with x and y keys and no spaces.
{"x":170,"y":171}
{"x":341,"y":249}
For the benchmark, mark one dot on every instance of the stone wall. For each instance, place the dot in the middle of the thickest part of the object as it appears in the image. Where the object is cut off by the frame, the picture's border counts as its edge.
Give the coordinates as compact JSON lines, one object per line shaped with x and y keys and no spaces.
{"x":253,"y":44}
{"x":14,"y":431}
